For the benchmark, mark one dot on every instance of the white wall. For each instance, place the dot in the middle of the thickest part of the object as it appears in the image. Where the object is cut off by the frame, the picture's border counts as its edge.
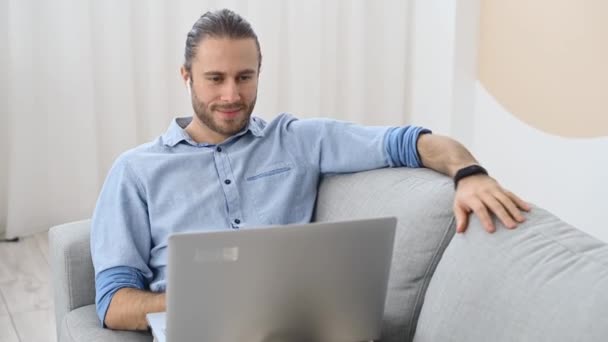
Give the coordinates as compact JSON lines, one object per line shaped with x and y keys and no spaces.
{"x":567,"y":176}
{"x":443,"y":66}
{"x":432,"y":64}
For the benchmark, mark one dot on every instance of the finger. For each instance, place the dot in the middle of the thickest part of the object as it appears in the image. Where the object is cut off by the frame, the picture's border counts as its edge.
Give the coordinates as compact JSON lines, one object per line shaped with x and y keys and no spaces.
{"x":520,"y":203}
{"x":462,"y":219}
{"x":499,"y":210}
{"x":484,"y":216}
{"x":510,"y":206}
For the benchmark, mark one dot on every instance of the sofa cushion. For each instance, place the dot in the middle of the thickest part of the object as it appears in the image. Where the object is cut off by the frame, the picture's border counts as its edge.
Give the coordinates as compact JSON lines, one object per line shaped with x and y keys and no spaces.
{"x":421,"y":200}
{"x":544,"y":281}
{"x":82,"y":325}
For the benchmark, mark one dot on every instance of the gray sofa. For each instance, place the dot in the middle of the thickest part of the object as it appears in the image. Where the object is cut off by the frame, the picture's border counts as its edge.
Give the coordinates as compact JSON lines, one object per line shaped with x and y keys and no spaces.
{"x":545,"y":281}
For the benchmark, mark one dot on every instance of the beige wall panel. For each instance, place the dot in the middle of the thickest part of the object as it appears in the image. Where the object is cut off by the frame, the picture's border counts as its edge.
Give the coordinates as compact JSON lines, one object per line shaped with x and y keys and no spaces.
{"x":546,"y":62}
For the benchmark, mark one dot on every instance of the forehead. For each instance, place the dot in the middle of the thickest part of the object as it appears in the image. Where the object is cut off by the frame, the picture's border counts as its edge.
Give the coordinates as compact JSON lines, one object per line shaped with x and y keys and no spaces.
{"x":225,"y":55}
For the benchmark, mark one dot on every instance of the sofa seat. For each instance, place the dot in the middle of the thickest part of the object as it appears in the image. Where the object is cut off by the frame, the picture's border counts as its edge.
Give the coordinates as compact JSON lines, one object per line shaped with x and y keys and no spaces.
{"x":82,"y":324}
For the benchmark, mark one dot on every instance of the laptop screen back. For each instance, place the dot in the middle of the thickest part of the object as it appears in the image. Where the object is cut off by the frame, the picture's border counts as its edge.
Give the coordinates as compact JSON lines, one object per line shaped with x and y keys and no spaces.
{"x":316,"y":282}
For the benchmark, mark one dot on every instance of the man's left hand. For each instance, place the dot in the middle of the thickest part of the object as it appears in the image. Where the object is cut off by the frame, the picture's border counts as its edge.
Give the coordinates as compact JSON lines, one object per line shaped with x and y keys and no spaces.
{"x":482,"y":195}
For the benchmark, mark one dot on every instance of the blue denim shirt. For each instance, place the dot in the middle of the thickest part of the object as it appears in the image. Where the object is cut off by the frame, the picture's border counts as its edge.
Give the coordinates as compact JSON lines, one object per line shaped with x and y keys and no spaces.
{"x":267,"y":174}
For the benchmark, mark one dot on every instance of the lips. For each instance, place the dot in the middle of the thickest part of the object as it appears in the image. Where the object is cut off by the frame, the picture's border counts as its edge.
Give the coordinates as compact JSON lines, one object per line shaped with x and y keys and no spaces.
{"x":230,"y":112}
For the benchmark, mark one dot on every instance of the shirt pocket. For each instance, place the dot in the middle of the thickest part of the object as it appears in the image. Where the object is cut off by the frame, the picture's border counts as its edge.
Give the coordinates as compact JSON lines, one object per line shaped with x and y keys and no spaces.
{"x":270,"y":171}
{"x":271,"y":189}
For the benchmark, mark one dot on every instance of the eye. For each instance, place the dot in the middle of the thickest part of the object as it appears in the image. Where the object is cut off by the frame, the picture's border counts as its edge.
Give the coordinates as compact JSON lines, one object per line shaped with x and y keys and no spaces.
{"x":244,"y":78}
{"x":214,"y":79}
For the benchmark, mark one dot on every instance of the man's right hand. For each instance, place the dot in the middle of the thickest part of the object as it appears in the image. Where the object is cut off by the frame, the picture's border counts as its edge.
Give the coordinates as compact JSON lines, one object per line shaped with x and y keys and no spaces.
{"x":129,"y":307}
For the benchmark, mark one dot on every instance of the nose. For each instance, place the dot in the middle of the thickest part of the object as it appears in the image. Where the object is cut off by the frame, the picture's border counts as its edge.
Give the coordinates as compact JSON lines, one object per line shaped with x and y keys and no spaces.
{"x":230,"y":92}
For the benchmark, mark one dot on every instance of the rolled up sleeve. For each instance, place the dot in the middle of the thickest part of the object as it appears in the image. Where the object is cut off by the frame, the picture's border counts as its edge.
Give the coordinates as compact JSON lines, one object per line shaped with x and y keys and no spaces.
{"x":340,"y":147}
{"x":109,"y":281}
{"x":120,"y":236}
{"x":400,"y":144}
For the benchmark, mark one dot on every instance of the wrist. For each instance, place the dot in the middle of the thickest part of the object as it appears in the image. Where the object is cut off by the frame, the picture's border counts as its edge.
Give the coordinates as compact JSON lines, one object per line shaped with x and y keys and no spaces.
{"x":468,"y":171}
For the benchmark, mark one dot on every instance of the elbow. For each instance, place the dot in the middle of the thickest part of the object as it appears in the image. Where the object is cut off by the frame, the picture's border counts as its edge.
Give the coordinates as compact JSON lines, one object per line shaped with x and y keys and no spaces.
{"x":114,"y":318}
{"x":111,"y":323}
{"x":120,"y":315}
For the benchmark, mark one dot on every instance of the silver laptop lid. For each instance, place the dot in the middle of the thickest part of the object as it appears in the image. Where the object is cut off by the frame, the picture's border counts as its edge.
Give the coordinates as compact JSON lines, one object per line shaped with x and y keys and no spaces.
{"x":322,"y":282}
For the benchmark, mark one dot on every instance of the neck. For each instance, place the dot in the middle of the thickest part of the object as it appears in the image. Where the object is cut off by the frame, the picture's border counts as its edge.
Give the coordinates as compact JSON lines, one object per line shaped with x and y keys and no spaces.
{"x":200,"y":133}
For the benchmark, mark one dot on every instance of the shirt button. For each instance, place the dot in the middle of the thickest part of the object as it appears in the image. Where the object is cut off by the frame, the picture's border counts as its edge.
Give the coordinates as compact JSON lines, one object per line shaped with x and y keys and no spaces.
{"x":237,"y":221}
{"x":227,"y":181}
{"x":219,"y":149}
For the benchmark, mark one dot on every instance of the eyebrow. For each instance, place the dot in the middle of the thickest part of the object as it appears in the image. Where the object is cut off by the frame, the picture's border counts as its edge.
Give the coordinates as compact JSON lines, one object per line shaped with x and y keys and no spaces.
{"x":218,"y":73}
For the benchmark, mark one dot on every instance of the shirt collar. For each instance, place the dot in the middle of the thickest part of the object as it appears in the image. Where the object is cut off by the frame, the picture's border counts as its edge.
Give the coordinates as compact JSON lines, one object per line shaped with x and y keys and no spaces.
{"x":176,"y":132}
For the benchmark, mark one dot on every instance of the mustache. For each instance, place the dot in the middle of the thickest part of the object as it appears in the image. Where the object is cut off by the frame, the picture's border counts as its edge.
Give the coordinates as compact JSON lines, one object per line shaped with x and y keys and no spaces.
{"x":229,"y":107}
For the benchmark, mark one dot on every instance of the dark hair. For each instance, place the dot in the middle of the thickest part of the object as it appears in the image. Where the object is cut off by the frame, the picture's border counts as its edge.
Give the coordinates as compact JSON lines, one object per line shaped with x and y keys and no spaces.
{"x":218,"y":24}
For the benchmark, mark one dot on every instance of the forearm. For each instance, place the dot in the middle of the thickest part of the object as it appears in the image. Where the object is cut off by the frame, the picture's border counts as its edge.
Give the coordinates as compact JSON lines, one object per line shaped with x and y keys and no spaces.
{"x":128,"y":308}
{"x":443,"y":154}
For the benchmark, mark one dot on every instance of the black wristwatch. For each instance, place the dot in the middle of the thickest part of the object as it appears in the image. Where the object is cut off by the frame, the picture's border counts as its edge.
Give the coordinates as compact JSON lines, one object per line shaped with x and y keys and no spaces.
{"x":468,"y":171}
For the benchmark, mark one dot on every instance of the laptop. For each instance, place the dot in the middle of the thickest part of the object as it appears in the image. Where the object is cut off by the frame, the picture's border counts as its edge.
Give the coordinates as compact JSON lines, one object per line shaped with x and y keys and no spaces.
{"x":318,"y":282}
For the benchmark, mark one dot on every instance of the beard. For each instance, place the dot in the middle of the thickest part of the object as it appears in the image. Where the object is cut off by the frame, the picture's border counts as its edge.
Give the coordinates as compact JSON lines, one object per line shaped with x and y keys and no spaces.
{"x":229,"y":127}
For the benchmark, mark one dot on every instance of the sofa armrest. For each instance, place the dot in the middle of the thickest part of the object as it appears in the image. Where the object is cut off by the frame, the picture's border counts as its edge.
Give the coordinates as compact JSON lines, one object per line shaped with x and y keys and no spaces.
{"x":72,"y":267}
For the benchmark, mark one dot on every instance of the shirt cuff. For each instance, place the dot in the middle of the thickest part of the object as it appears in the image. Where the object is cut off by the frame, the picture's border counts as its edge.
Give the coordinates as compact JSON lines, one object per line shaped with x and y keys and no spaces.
{"x":400,"y":144}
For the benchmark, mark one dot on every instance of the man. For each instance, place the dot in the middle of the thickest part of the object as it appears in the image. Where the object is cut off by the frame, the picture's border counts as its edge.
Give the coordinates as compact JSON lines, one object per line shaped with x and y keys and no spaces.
{"x":224,"y":168}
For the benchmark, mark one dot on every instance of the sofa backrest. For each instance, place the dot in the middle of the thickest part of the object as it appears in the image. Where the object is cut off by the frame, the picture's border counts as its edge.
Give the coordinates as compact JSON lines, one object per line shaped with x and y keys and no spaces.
{"x":422,"y":201}
{"x":544,"y":281}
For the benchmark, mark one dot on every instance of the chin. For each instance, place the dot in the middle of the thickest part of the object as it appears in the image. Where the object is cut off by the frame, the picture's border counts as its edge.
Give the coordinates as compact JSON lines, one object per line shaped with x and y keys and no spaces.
{"x":233,"y":126}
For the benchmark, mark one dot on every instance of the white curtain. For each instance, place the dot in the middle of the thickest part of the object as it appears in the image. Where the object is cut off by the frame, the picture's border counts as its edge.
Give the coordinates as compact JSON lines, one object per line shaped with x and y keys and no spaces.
{"x":84,"y":80}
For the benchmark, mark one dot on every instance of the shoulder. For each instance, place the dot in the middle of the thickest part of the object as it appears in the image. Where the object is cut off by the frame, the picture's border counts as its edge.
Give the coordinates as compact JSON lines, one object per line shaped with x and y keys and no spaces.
{"x":289,"y":123}
{"x":279,"y":121}
{"x":135,"y":158}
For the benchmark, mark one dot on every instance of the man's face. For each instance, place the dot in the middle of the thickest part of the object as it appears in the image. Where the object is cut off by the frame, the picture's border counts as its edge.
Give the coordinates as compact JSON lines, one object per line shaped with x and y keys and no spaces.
{"x":224,"y":77}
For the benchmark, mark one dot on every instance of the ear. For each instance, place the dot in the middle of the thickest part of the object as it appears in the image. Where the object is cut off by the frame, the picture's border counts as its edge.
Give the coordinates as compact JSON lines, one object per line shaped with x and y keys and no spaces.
{"x":184,"y":73}
{"x":186,"y":77}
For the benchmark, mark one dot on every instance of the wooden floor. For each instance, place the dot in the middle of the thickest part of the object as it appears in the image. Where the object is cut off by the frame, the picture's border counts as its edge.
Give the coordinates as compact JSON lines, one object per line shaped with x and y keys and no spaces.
{"x":26,"y":300}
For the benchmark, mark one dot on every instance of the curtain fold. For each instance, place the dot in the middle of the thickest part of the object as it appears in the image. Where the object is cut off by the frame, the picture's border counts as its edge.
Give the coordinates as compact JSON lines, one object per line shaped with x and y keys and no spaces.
{"x":85,"y":80}
{"x":4,"y":139}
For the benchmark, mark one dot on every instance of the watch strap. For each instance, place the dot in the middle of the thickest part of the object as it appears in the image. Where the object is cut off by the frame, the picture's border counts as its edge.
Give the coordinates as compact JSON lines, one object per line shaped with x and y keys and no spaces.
{"x":468,"y":171}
